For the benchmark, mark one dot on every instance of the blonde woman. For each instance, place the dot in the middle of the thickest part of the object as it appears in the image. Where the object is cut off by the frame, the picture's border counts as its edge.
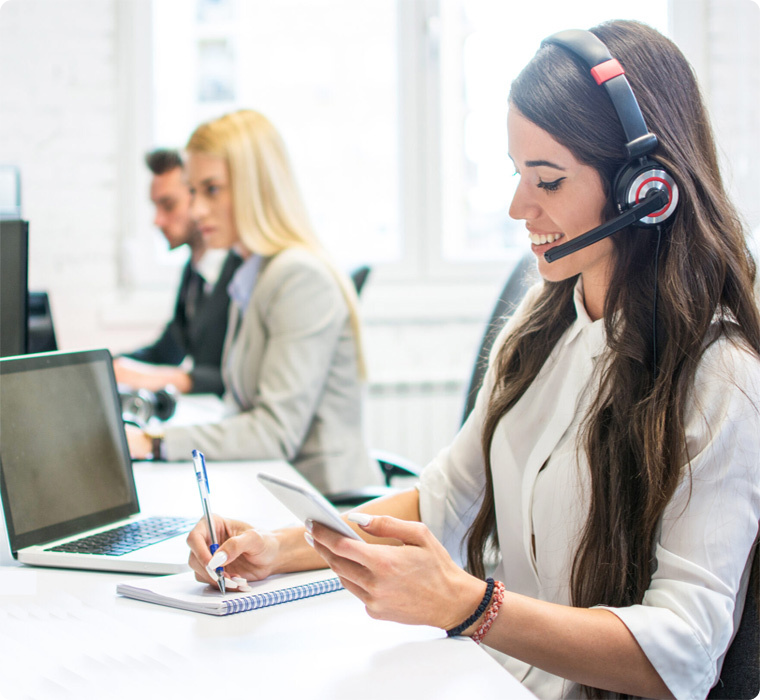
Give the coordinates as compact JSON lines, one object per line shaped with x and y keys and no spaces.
{"x":292,"y":362}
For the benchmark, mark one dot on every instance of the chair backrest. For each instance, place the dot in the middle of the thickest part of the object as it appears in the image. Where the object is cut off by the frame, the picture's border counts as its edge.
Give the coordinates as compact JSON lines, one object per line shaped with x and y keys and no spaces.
{"x":519,"y":281}
{"x":359,"y":277}
{"x":41,"y":327}
{"x":740,"y":675}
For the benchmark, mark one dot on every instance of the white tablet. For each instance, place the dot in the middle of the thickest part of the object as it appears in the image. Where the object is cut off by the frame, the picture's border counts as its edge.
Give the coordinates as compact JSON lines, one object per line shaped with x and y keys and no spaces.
{"x":307,"y":503}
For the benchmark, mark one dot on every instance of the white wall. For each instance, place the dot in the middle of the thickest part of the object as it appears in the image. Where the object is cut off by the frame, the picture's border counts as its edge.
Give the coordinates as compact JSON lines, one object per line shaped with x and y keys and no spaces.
{"x":57,"y":123}
{"x":721,"y":38}
{"x":72,"y":112}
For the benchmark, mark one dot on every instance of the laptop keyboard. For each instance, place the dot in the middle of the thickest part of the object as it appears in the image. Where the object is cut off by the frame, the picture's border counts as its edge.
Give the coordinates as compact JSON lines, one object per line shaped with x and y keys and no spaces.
{"x":129,"y":537}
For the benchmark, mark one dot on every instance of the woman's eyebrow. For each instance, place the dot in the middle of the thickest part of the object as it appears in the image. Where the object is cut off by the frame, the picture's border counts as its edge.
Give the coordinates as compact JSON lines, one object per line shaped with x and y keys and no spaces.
{"x":546,"y":163}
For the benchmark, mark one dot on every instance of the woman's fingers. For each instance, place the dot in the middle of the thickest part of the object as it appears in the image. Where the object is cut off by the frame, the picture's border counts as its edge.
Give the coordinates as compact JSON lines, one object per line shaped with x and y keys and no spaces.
{"x":343,"y":564}
{"x":387,"y":527}
{"x":354,"y":589}
{"x":249,"y":544}
{"x":417,"y":583}
{"x":242,"y":550}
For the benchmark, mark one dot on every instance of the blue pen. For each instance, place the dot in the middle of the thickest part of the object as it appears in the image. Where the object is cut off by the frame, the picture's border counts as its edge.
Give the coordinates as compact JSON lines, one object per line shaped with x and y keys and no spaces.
{"x":199,"y":462}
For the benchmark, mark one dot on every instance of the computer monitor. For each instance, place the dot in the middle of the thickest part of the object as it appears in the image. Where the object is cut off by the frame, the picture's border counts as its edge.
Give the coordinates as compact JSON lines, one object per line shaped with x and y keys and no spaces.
{"x":14,"y":270}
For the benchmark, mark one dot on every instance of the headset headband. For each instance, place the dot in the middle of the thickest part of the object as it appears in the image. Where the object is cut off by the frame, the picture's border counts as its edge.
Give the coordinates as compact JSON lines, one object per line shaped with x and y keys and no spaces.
{"x":608,"y":72}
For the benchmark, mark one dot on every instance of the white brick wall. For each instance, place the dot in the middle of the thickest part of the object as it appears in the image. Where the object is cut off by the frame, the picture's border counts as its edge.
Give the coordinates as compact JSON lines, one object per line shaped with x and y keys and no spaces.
{"x":60,"y":124}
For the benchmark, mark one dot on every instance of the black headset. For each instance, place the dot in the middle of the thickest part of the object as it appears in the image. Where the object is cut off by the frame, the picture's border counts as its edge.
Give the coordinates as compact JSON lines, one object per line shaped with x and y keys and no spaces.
{"x":139,"y":406}
{"x":641,"y":177}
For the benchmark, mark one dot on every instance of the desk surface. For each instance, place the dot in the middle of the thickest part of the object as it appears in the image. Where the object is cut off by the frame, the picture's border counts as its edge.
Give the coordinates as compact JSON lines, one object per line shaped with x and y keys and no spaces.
{"x":66,"y":634}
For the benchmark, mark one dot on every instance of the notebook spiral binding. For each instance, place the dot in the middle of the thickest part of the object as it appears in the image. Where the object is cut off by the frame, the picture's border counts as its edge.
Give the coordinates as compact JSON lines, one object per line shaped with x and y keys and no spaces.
{"x":284,"y":595}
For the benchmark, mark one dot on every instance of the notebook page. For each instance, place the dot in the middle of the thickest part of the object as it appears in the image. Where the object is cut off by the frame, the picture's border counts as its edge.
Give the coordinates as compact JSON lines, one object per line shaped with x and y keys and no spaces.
{"x":183,"y":591}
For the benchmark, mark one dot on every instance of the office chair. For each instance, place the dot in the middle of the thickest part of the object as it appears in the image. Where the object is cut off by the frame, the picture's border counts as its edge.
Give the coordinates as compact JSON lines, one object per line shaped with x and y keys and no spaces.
{"x":518,"y":282}
{"x":40,"y":325}
{"x":740,"y":675}
{"x":359,"y":278}
{"x":393,"y":465}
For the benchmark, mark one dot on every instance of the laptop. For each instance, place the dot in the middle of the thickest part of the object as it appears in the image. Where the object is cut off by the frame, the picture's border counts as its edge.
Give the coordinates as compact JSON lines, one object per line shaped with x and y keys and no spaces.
{"x":68,"y":490}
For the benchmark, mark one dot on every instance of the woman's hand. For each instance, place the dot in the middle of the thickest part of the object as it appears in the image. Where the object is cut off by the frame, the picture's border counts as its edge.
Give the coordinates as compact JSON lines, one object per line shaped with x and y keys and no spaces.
{"x":416,"y":584}
{"x":244,"y":551}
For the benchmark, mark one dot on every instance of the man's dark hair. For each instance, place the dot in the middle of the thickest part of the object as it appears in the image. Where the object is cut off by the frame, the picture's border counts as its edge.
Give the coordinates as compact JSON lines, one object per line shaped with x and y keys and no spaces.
{"x":162,"y":160}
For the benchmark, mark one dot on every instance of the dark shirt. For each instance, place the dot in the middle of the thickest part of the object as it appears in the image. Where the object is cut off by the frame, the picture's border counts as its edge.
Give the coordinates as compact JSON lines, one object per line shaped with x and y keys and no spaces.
{"x":196,"y":330}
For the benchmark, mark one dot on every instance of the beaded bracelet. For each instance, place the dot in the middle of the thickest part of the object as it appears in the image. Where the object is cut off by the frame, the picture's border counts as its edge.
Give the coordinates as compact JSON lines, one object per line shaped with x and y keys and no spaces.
{"x":454,"y":631}
{"x":493,"y":611}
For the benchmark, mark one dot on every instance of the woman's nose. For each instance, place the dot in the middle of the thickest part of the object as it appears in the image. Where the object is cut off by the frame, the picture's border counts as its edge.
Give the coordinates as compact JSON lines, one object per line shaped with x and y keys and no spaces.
{"x":197,"y":208}
{"x":524,"y":205}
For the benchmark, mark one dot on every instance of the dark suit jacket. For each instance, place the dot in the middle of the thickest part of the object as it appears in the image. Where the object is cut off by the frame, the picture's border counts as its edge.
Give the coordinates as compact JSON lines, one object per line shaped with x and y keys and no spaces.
{"x":200,"y":337}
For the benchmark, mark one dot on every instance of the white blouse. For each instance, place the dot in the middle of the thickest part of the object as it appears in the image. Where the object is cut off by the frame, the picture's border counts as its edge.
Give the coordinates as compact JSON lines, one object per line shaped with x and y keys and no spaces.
{"x":687,"y":617}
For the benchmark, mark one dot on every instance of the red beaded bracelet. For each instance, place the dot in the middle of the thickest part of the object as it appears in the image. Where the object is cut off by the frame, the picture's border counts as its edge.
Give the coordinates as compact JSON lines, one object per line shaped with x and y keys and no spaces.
{"x":493,"y":610}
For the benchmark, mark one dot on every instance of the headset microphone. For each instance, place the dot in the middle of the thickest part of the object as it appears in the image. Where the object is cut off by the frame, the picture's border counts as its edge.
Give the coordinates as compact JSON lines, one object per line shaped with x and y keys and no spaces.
{"x":655,"y":200}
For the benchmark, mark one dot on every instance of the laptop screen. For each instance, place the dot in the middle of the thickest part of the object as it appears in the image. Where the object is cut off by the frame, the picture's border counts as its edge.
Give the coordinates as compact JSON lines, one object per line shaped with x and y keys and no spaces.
{"x":64,"y":459}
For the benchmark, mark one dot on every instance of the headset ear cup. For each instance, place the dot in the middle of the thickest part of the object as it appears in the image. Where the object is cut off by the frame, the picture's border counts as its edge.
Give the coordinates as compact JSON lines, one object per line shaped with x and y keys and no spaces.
{"x":166,"y":402}
{"x":637,"y":178}
{"x":137,"y":405}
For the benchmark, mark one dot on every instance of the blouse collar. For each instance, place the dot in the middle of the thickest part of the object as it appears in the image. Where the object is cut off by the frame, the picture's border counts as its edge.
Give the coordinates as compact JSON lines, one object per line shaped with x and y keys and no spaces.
{"x":591,"y":332}
{"x":241,"y":285}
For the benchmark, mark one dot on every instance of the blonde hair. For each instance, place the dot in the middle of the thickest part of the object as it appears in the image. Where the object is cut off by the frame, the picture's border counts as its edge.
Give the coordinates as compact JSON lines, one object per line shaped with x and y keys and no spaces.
{"x":269,"y":212}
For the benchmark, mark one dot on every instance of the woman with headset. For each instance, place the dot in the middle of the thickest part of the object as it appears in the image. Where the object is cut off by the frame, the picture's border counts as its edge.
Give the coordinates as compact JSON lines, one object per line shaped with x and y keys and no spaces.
{"x":593,"y":523}
{"x":292,"y":362}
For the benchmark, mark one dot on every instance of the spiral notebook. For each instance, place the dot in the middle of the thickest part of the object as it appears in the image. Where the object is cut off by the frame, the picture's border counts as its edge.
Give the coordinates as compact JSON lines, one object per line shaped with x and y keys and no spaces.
{"x":183,"y":591}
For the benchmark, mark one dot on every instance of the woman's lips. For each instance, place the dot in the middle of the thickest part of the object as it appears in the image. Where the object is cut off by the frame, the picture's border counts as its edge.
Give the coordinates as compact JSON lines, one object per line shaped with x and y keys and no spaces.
{"x":540,"y":242}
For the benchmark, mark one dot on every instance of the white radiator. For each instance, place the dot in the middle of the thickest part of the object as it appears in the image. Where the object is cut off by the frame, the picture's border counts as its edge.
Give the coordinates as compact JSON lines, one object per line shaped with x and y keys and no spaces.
{"x":414,"y":419}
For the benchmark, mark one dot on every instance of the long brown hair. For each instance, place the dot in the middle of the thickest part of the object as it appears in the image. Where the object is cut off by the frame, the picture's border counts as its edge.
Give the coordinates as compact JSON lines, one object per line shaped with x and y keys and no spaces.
{"x":633,"y":434}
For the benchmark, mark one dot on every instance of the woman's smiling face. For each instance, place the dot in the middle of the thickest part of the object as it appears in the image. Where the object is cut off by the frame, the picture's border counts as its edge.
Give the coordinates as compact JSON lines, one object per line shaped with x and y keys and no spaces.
{"x":559,"y":198}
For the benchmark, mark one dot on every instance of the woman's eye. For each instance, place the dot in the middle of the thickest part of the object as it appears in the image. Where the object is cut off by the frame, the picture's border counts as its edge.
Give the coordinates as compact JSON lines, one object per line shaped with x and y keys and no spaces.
{"x":212,"y":190}
{"x":552,"y":186}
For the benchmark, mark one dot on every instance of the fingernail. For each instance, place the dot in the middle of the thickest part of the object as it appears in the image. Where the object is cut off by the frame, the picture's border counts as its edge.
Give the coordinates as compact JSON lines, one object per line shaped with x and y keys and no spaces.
{"x":212,"y":573}
{"x":229,"y":583}
{"x":309,"y":539}
{"x":241,"y":583}
{"x":362,"y":519}
{"x":309,"y":523}
{"x":219,"y":559}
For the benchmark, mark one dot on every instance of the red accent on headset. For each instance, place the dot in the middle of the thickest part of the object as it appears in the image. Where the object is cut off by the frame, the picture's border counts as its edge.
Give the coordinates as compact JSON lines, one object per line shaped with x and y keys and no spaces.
{"x":607,"y":70}
{"x":667,"y":187}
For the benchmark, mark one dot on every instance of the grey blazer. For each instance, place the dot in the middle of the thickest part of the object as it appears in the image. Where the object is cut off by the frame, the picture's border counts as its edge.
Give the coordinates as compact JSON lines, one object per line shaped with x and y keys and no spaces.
{"x":292,"y":386}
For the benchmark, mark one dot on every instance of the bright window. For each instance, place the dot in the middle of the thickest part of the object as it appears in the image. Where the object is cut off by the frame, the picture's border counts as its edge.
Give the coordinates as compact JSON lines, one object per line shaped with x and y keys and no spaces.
{"x":484,"y":45}
{"x":394,"y":112}
{"x":324,"y":72}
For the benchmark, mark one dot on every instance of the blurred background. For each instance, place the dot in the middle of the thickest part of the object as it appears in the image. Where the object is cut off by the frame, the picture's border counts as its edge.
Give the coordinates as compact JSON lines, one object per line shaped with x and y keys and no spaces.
{"x":394,"y":115}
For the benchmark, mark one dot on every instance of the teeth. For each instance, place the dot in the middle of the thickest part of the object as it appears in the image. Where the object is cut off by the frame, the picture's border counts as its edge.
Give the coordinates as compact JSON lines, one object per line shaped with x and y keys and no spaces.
{"x":540,"y":239}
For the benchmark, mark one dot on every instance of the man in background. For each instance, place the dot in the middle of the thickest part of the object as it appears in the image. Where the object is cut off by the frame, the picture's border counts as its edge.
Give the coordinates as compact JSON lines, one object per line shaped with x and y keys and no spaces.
{"x":188,"y":353}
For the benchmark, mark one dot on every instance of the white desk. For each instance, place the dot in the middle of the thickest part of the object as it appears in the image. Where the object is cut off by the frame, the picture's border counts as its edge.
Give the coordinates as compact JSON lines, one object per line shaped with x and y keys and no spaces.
{"x":66,"y":634}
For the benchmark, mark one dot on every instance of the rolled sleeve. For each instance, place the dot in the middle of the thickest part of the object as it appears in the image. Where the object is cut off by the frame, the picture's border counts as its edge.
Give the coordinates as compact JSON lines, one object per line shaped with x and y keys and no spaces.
{"x":687,"y":616}
{"x":670,"y":625}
